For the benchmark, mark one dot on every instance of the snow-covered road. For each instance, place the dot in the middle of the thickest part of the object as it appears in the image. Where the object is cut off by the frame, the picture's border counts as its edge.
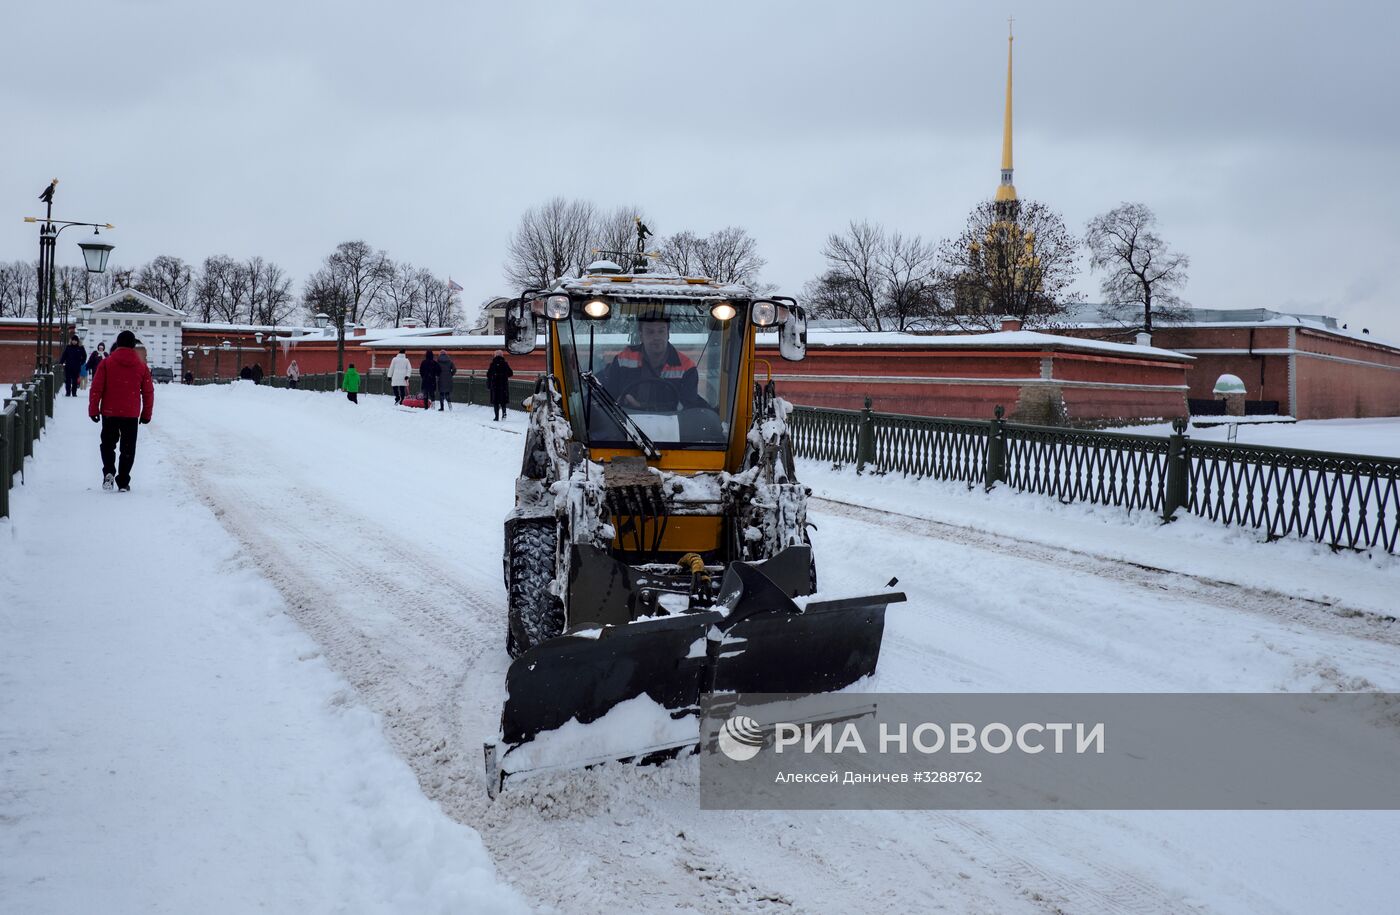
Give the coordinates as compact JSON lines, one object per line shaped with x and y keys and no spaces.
{"x":380,"y":530}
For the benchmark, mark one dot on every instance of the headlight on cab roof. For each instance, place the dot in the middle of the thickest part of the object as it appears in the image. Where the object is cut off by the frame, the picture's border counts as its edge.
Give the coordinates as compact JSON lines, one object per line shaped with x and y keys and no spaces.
{"x":556,"y":307}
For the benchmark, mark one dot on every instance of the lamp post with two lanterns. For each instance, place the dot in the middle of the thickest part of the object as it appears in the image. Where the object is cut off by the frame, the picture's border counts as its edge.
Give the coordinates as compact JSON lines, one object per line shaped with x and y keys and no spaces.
{"x":95,"y":253}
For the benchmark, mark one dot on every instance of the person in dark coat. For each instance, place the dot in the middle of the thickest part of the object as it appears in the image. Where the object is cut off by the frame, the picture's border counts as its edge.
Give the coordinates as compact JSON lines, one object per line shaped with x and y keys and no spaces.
{"x":498,"y":384}
{"x":446,"y":369}
{"x":428,"y":372}
{"x":95,"y":359}
{"x":73,"y":359}
{"x":257,"y":373}
{"x":121,"y":396}
{"x":246,"y":373}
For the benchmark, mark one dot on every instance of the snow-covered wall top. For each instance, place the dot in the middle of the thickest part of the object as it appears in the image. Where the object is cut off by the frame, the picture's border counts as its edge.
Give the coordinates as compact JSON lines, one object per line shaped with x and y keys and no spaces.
{"x":446,"y":341}
{"x":1086,"y":316}
{"x":1003,"y":339}
{"x":314,"y":333}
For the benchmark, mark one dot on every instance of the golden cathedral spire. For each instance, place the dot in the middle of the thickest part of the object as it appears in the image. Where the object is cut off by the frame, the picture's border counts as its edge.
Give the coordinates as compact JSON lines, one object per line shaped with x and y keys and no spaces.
{"x":1006,"y":191}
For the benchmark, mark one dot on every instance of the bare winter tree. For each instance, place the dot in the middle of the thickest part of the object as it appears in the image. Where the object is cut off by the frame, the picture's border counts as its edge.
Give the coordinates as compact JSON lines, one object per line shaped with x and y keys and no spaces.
{"x":72,"y":285}
{"x":166,"y":279}
{"x":729,"y":255}
{"x":551,"y":241}
{"x":349,"y":284}
{"x":19,"y":284}
{"x":441,"y":306}
{"x":221,"y":291}
{"x":270,"y":300}
{"x":327,"y":292}
{"x":401,"y":298}
{"x":680,"y":253}
{"x":849,"y":289}
{"x":878,"y":280}
{"x":998,"y":267}
{"x":1141,"y":276}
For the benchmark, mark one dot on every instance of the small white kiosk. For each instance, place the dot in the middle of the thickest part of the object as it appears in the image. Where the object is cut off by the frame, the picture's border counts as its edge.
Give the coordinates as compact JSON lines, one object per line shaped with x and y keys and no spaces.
{"x":159,"y":327}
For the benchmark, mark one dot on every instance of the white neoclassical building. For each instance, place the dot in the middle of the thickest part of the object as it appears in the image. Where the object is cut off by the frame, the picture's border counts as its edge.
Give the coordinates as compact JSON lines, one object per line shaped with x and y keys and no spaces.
{"x":159,"y":327}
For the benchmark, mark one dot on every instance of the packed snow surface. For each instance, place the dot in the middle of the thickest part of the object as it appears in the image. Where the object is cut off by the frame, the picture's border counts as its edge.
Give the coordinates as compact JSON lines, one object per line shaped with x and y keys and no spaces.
{"x":200,"y":687}
{"x":170,"y":740}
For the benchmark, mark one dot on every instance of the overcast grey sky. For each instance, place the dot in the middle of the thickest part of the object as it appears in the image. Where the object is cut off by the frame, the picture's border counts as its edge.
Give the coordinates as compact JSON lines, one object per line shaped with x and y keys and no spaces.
{"x":1264,"y":135}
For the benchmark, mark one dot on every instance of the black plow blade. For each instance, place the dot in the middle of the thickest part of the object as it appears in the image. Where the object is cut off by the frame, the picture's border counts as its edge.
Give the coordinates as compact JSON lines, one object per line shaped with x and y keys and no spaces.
{"x":634,"y":690}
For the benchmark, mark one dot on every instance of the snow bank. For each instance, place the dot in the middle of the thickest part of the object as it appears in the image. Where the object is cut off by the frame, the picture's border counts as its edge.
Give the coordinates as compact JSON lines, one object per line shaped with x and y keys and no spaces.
{"x":1189,"y":545}
{"x":171,"y":741}
{"x":1379,"y":436}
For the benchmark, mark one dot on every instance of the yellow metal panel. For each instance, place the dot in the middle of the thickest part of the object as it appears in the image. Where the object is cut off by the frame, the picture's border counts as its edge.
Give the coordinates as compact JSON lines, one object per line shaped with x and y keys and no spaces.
{"x":675,"y":460}
{"x":684,"y":534}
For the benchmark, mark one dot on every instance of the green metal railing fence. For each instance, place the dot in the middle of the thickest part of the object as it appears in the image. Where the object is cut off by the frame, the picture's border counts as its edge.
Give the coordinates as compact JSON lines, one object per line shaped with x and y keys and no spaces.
{"x":26,"y":413}
{"x":1344,"y":500}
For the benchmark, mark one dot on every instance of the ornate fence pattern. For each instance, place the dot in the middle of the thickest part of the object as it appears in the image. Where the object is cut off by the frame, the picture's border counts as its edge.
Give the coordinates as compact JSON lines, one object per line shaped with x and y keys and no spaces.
{"x":826,"y":435}
{"x":1078,"y":466}
{"x":945,"y":449}
{"x":1344,"y":500}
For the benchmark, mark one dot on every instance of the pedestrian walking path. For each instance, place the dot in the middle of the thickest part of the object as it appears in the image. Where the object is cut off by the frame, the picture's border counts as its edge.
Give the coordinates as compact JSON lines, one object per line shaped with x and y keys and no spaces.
{"x":169,"y":739}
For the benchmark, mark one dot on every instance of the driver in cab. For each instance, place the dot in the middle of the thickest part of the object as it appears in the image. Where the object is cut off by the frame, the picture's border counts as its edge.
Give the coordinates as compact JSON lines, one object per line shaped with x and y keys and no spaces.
{"x":653,"y":374}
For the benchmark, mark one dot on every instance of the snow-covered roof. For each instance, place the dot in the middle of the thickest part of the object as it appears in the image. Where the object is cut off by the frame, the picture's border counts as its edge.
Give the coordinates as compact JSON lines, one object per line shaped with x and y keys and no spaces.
{"x":449,"y":341}
{"x":108,"y":302}
{"x":251,"y":328}
{"x":310,"y":334}
{"x":1003,"y":339}
{"x":1087,"y":315}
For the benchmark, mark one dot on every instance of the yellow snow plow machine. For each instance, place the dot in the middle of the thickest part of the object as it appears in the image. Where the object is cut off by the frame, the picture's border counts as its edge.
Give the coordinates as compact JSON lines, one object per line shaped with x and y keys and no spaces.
{"x":658,"y":549}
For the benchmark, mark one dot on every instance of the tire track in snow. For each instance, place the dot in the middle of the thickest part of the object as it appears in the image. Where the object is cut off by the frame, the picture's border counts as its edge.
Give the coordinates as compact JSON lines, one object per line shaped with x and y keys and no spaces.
{"x":424,"y":667}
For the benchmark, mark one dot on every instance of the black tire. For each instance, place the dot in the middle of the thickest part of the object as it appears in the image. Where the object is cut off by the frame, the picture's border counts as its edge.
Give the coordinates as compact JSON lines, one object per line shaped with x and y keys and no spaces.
{"x":533,"y":613}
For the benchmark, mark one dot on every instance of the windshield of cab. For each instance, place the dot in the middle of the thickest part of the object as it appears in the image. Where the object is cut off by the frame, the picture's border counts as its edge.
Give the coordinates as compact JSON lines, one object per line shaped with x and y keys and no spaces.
{"x":672,"y":367}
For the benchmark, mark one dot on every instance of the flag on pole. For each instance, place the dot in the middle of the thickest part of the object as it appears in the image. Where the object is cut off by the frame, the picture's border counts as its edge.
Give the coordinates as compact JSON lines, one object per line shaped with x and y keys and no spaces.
{"x":452,"y":285}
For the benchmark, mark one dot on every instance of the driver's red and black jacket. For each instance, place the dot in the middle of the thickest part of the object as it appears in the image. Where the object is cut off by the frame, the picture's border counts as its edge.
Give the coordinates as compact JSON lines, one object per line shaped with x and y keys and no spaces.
{"x":629,"y":370}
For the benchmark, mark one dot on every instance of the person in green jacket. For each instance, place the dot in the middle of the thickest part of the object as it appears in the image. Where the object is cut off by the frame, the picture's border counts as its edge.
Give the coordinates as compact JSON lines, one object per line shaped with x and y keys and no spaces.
{"x":350,"y":383}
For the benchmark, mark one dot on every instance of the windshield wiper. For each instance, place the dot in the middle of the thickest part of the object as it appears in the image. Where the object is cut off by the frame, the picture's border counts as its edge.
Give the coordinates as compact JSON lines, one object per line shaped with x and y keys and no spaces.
{"x":620,"y":416}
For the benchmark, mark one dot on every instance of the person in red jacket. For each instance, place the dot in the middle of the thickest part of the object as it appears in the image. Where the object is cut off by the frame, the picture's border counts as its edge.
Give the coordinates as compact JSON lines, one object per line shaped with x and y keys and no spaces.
{"x":121,"y":396}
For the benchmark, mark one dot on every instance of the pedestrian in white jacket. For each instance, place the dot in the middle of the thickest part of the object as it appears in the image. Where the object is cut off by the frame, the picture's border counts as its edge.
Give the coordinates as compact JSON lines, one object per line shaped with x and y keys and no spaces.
{"x":399,"y":370}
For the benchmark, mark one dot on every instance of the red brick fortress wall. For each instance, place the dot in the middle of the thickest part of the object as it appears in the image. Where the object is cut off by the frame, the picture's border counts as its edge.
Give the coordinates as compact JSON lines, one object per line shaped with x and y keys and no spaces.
{"x":1033,"y":385}
{"x":1344,"y":377}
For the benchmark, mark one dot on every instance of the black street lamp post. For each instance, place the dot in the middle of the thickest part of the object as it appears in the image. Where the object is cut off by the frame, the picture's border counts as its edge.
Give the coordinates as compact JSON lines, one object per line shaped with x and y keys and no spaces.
{"x":222,"y":346}
{"x":272,"y":352}
{"x":95,"y":254}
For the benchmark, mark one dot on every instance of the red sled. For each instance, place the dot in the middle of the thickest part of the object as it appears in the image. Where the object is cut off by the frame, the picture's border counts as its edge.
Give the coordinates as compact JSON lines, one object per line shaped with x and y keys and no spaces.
{"x":417,"y":403}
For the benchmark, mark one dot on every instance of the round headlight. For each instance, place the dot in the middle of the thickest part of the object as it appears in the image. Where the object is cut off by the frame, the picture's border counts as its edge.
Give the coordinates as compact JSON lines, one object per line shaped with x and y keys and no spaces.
{"x":722,"y":311}
{"x":765,"y":313}
{"x":556,"y":307}
{"x":596,"y":308}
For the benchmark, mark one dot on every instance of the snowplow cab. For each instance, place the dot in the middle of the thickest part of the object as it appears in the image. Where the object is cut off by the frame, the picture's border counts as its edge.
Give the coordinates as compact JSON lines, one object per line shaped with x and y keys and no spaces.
{"x":646,"y":416}
{"x":658,"y":516}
